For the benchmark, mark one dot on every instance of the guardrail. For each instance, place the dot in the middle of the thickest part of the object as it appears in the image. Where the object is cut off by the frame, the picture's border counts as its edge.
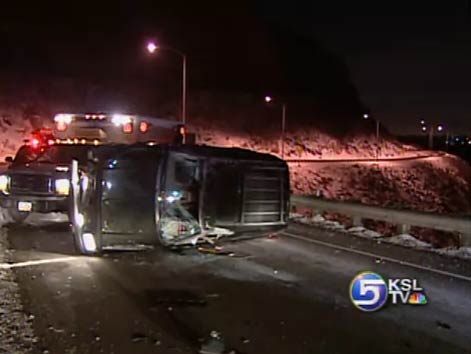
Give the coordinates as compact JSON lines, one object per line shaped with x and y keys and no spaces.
{"x":403,"y":218}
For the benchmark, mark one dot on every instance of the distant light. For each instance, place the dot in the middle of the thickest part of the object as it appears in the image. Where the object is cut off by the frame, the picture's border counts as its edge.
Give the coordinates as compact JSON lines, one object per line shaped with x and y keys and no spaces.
{"x":121,"y":119}
{"x":366,"y":116}
{"x":422,"y":122}
{"x":268,"y":99}
{"x":440,"y":128}
{"x":63,"y":118}
{"x":151,"y":47}
{"x":424,"y":128}
{"x":469,"y":142}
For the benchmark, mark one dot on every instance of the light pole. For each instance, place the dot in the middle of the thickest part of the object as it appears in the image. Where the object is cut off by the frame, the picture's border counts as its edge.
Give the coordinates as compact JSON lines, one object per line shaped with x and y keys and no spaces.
{"x":152,"y":47}
{"x":269,"y":99}
{"x":378,"y":147}
{"x":431,"y":131}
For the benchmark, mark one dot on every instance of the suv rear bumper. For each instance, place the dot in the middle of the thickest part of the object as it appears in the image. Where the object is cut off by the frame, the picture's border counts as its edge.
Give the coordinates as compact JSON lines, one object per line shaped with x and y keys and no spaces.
{"x":41,"y":204}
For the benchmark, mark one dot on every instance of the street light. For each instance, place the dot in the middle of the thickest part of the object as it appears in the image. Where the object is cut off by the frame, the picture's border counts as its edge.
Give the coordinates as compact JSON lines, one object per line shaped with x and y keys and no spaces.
{"x":432,"y":129}
{"x":377,"y":124}
{"x":269,"y":99}
{"x":152,"y":47}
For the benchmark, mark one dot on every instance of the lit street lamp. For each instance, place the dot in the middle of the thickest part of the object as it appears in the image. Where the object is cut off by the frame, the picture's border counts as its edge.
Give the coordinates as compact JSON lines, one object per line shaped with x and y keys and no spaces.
{"x":439,"y":128}
{"x":367,"y":116}
{"x":269,"y":99}
{"x":152,"y":47}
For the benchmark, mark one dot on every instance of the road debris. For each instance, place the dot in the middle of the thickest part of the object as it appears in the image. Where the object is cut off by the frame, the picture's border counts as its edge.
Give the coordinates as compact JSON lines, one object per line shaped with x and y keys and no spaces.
{"x":138,"y":337}
{"x":443,"y":325}
{"x":217,"y":250}
{"x":214,"y":345}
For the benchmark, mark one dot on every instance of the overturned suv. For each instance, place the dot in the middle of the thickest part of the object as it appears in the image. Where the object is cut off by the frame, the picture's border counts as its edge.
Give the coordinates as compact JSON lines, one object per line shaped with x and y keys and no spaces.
{"x":37,"y":179}
{"x":137,"y":195}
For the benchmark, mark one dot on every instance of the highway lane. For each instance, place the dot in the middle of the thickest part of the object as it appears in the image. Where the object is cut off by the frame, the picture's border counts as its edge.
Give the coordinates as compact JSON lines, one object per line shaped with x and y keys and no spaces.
{"x":283,"y":295}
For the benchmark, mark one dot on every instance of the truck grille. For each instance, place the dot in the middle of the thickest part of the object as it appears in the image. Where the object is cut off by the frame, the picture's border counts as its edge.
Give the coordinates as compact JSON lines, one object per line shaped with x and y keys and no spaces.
{"x":23,"y":183}
{"x":263,"y":199}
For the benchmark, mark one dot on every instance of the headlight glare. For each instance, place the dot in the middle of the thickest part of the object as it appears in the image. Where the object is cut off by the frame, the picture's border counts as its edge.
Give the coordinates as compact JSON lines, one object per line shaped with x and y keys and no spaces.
{"x":4,"y":182}
{"x":62,"y":186}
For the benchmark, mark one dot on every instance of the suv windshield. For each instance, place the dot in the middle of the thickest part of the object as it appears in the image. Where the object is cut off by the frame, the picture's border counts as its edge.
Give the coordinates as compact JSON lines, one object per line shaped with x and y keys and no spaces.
{"x":58,"y":154}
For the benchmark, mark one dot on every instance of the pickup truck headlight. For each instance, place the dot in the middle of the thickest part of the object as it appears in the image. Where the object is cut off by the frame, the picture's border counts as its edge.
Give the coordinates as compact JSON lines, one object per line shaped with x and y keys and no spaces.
{"x":4,"y":182}
{"x":62,"y":186}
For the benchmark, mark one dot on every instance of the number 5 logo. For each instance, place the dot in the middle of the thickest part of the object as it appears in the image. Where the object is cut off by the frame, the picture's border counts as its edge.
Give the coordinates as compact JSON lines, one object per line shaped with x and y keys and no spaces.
{"x":368,"y":291}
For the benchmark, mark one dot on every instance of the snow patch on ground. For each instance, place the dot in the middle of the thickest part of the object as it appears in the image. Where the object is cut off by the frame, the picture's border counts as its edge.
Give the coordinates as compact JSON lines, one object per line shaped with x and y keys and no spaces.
{"x":317,"y":220}
{"x":408,"y":241}
{"x":462,"y":252}
{"x":363,"y":232}
{"x":16,"y":332}
{"x":404,"y":240}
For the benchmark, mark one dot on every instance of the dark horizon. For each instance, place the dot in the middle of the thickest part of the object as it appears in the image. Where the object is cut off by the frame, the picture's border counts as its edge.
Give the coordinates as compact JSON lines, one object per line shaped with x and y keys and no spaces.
{"x":407,"y":61}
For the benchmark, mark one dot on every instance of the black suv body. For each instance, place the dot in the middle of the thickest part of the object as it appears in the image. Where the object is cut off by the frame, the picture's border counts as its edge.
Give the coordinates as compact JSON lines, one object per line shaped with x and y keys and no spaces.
{"x":175,"y":195}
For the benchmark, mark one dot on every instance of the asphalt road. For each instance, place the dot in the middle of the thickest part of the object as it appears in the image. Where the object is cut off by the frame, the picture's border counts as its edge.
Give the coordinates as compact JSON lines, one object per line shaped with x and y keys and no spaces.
{"x":283,"y":295}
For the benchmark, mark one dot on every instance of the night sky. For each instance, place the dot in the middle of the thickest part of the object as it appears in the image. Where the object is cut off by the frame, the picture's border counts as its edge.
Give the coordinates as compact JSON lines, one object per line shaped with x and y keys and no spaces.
{"x":409,"y":60}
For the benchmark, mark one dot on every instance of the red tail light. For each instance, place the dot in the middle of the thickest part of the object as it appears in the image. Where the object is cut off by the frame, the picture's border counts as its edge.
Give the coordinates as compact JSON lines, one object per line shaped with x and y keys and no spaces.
{"x":143,"y":127}
{"x":61,"y":126}
{"x":127,"y":128}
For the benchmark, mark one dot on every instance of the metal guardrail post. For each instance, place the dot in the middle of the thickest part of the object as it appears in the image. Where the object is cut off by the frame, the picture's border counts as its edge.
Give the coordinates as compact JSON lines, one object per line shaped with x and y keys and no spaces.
{"x":465,"y":240}
{"x":403,"y":229}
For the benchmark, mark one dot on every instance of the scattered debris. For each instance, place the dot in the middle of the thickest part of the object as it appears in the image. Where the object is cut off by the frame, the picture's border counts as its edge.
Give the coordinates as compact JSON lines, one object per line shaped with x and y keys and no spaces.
{"x":217,"y":250}
{"x":214,"y":345}
{"x":138,"y":337}
{"x":443,"y":325}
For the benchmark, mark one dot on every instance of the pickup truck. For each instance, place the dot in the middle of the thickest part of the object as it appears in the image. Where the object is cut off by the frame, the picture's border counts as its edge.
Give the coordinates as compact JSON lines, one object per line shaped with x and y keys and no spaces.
{"x":37,"y":179}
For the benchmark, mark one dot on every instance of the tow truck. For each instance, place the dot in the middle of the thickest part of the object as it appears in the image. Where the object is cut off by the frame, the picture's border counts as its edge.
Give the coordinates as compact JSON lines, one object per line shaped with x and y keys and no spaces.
{"x":38,"y":177}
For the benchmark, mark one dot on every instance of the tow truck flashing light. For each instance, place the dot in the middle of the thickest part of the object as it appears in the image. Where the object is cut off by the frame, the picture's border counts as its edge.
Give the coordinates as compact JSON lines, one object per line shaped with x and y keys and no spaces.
{"x":40,"y":138}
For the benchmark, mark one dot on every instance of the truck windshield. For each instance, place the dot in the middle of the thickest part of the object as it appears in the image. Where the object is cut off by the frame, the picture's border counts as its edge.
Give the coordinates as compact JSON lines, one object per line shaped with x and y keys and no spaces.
{"x":63,"y":154}
{"x":59,"y":154}
{"x":26,"y":154}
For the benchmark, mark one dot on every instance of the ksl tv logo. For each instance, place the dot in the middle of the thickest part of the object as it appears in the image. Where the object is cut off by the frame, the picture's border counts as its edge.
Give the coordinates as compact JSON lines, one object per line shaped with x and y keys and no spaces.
{"x":369,"y":291}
